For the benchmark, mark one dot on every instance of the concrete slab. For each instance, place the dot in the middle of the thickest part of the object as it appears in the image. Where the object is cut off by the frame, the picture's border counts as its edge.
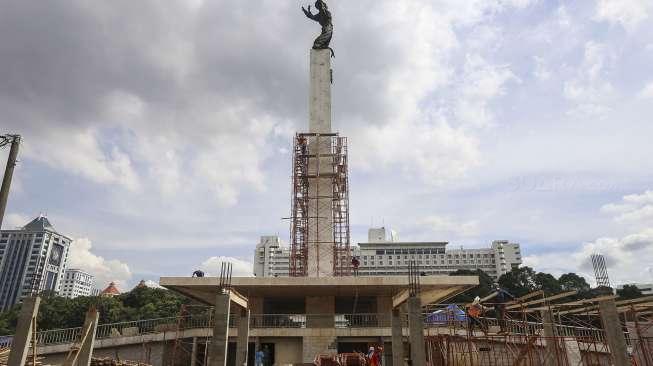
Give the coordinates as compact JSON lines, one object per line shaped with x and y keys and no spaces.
{"x":204,"y":289}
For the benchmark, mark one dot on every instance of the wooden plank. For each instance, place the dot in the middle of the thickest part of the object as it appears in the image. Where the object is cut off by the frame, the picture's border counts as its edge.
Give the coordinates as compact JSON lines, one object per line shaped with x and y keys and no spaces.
{"x":586,"y":308}
{"x":488,"y":297}
{"x":634,"y":301}
{"x":238,"y":299}
{"x":525,"y":297}
{"x":551,"y":298}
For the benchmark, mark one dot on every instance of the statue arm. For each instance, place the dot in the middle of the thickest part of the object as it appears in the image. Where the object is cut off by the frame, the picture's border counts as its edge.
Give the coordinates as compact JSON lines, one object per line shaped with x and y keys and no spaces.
{"x":308,"y":13}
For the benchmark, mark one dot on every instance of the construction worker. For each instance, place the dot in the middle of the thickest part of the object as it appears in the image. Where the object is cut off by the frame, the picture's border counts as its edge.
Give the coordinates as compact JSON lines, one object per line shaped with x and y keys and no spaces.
{"x":355,"y":263}
{"x":474,"y":312}
{"x":502,"y":298}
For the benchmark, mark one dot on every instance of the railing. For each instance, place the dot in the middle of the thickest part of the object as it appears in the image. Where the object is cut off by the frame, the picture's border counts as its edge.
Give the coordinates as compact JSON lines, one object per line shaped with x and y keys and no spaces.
{"x":291,"y":321}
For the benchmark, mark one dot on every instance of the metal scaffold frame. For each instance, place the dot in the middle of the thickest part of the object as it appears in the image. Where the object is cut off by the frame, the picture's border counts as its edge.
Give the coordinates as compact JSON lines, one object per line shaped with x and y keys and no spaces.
{"x":332,"y":149}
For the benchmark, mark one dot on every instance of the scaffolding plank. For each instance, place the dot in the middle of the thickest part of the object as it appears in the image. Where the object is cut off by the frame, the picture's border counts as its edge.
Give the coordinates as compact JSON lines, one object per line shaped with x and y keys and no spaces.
{"x":538,"y":301}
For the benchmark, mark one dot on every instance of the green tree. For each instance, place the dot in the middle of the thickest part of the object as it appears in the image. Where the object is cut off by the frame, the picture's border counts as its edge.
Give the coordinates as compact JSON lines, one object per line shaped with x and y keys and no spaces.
{"x":547,"y":283}
{"x":573,"y":282}
{"x":484,"y":288}
{"x":519,"y":281}
{"x":629,"y":292}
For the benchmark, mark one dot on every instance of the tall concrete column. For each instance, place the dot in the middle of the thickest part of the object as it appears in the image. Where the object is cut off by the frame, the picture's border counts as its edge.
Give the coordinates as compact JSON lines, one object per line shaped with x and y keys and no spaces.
{"x":320,"y":93}
{"x":220,"y":339}
{"x":193,"y":353}
{"x":320,"y":185}
{"x":397,"y":338}
{"x":614,"y":333}
{"x":9,"y":172}
{"x":24,"y":329}
{"x":551,"y":354}
{"x":89,"y":328}
{"x":243,"y":338}
{"x":416,"y":329}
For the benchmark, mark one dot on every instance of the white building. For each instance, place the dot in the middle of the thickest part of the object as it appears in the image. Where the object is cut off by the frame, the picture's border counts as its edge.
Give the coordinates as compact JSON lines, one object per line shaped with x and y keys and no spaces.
{"x":382,"y":255}
{"x":645,"y":288}
{"x":77,"y":283}
{"x":32,"y":259}
{"x":271,"y":258}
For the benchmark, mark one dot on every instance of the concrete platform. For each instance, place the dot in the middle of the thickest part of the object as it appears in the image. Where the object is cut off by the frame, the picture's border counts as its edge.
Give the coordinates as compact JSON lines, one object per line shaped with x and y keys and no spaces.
{"x":434,"y":288}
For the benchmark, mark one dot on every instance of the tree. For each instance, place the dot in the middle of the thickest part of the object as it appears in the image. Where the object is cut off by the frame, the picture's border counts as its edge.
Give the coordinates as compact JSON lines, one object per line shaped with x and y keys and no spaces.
{"x":484,"y":288}
{"x":519,"y":281}
{"x":573,"y":282}
{"x":629,"y":292}
{"x":547,"y":283}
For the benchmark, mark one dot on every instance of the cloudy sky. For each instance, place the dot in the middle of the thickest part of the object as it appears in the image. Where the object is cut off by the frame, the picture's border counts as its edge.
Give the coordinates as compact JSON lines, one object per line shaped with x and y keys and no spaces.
{"x":157,"y":134}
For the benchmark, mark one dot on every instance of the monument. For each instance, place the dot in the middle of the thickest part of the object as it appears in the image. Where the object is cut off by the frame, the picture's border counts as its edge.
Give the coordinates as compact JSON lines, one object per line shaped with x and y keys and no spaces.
{"x":320,"y":211}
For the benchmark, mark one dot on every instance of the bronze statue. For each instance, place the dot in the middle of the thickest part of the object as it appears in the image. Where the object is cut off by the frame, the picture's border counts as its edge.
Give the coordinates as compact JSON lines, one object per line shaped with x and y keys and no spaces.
{"x":323,"y":17}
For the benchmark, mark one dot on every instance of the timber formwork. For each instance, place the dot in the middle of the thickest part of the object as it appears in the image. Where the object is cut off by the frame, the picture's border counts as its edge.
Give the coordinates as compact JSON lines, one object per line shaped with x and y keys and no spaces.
{"x":320,"y":202}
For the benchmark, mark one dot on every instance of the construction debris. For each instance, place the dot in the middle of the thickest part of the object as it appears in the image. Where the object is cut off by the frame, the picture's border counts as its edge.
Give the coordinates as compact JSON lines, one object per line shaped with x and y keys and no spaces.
{"x":108,"y":361}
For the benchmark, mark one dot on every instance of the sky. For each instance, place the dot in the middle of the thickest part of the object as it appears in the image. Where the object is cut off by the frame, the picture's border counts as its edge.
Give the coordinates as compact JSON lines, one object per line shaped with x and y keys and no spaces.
{"x":157,"y":134}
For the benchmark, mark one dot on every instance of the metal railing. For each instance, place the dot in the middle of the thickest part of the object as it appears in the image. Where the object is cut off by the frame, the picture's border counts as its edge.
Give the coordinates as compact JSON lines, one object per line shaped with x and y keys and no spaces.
{"x":291,"y":321}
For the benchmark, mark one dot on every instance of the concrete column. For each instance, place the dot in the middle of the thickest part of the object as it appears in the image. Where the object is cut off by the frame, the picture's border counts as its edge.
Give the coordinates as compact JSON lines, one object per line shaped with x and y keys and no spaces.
{"x":243,"y":338}
{"x":320,"y":221}
{"x":416,"y":328}
{"x":24,"y":329}
{"x":614,"y":334}
{"x":220,"y":339}
{"x":193,"y":353}
{"x":397,"y":338}
{"x":320,"y":311}
{"x":551,"y":354}
{"x":89,"y":328}
{"x":320,"y":93}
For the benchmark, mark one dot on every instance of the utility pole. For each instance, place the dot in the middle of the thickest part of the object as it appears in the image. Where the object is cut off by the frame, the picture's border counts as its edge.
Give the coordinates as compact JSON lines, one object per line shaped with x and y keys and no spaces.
{"x":14,"y":140}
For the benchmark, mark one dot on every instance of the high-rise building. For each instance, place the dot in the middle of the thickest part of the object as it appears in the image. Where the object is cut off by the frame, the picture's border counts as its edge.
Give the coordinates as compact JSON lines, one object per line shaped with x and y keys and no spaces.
{"x":32,"y":259}
{"x":77,"y":283}
{"x":383,"y":256}
{"x":271,"y":258}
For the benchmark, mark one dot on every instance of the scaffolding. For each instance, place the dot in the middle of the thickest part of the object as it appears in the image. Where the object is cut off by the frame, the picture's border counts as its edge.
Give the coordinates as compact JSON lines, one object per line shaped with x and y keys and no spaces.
{"x":319,"y":230}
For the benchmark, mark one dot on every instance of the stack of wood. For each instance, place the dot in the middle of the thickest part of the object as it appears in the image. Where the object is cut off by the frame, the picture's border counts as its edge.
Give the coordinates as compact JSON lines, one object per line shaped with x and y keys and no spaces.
{"x":107,"y":361}
{"x":4,"y":358}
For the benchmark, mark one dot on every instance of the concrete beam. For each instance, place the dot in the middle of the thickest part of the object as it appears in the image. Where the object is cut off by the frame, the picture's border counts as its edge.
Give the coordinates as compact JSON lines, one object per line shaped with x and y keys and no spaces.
{"x":435,"y":296}
{"x":24,"y":330}
{"x":400,"y":298}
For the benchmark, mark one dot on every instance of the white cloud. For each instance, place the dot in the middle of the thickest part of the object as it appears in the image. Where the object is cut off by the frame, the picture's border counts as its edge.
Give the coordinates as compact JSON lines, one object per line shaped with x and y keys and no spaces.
{"x":628,"y":257}
{"x":14,"y":220}
{"x":647,"y":91}
{"x":480,"y":84}
{"x":240,"y":268}
{"x":105,"y":271}
{"x":589,"y":90}
{"x":541,"y":71}
{"x":634,"y":209}
{"x":627,"y":13}
{"x":444,"y":226}
{"x":79,"y":152}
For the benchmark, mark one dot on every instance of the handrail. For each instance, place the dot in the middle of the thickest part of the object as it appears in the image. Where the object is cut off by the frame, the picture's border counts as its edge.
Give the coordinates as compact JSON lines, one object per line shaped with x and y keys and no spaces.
{"x":338,"y":321}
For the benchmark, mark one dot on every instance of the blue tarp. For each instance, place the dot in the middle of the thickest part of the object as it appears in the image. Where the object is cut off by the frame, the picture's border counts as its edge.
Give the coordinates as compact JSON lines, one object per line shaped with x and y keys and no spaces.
{"x":451,"y":313}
